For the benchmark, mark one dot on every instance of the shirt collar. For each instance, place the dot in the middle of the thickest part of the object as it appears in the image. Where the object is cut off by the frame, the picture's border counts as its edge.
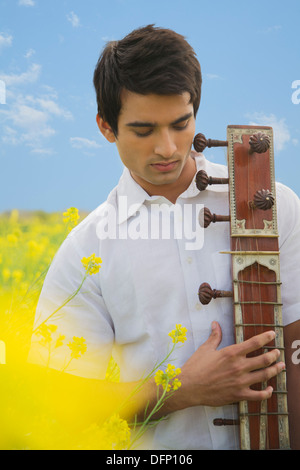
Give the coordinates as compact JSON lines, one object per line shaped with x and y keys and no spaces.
{"x":133,"y":196}
{"x":212,"y":169}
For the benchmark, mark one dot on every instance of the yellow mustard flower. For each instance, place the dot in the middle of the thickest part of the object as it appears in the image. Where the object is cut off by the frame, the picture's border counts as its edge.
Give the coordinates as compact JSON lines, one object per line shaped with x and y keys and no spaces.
{"x":92,"y":264}
{"x":17,"y":275}
{"x":23,"y":287}
{"x":77,"y":346}
{"x":176,"y":384}
{"x":34,"y":248}
{"x":60,"y":340}
{"x":179,"y":334}
{"x":117,"y":432}
{"x":12,"y":239}
{"x":14,"y":216}
{"x":46,"y":332}
{"x":71,"y":217}
{"x":6,"y":274}
{"x":166,"y":378}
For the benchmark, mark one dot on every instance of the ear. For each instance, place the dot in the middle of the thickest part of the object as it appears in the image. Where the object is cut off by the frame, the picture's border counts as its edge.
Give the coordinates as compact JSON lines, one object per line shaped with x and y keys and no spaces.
{"x":105,"y":129}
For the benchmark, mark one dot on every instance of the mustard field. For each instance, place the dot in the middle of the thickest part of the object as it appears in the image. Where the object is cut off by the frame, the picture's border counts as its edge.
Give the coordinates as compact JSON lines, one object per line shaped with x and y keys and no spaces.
{"x":39,"y":411}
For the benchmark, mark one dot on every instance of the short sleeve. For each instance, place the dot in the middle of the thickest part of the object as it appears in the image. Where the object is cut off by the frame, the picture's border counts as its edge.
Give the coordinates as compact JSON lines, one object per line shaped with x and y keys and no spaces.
{"x":77,"y":337}
{"x":288,"y":211}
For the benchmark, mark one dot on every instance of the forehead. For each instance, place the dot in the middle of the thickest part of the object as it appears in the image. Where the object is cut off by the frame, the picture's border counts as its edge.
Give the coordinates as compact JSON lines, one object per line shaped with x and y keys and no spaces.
{"x":153,"y":108}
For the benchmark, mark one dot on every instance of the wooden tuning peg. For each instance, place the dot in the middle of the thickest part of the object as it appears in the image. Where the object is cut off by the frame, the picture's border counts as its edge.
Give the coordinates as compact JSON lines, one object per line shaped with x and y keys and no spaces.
{"x":225,"y":422}
{"x":259,"y":143}
{"x":200,"y":143}
{"x":203,"y":180}
{"x":263,"y":200}
{"x":206,"y":293}
{"x":206,"y":217}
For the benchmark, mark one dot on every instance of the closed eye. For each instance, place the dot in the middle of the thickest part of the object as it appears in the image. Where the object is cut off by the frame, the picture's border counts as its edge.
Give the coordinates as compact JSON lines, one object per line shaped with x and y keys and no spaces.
{"x":181,"y":126}
{"x":148,"y":127}
{"x":143,"y":134}
{"x":178,"y":127}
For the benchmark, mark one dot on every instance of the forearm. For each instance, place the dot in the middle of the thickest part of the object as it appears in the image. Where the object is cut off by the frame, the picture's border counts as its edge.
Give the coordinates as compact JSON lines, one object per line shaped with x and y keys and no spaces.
{"x":76,"y":403}
{"x":73,"y":402}
{"x":210,"y":377}
{"x":88,"y":401}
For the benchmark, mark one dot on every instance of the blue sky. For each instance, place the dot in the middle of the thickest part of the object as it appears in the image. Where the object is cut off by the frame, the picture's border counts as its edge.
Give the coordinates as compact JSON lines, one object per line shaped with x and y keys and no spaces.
{"x":51,"y":153}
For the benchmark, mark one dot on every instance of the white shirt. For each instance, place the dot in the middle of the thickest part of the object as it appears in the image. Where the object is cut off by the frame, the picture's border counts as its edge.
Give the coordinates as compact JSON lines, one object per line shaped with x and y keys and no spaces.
{"x":147,"y":286}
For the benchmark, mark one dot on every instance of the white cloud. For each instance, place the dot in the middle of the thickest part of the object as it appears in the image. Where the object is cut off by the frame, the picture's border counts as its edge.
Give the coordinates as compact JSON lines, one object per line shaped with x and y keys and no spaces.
{"x":280,"y":129}
{"x":10,"y":136}
{"x":50,"y":106}
{"x":31,"y":76}
{"x":26,"y":126}
{"x":50,"y":92}
{"x":27,"y":3}
{"x":28,"y":118}
{"x":42,"y":151}
{"x":28,"y":121}
{"x":74,"y":20}
{"x":29,"y":53}
{"x":83,"y":143}
{"x":272,"y":29}
{"x":5,"y":40}
{"x":108,"y":38}
{"x":213,"y":76}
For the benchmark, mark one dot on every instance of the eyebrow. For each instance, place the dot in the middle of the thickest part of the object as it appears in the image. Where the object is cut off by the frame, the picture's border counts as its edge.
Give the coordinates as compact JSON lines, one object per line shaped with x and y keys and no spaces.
{"x":153,"y":124}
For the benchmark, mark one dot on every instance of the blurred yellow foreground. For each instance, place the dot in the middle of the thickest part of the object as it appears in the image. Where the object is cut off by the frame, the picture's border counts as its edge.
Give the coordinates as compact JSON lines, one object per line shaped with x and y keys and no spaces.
{"x":39,"y":410}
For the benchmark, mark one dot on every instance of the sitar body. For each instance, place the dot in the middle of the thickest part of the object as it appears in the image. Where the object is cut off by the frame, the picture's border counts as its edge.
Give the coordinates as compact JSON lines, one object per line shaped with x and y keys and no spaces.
{"x":255,"y":261}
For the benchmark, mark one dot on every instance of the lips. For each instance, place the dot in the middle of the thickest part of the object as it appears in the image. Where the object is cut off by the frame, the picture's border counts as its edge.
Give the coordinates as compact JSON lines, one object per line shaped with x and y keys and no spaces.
{"x":164,"y":166}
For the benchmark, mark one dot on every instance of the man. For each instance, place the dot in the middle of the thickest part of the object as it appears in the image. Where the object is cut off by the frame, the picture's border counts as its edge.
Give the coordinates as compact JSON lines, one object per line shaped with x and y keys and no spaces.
{"x":148,"y":89}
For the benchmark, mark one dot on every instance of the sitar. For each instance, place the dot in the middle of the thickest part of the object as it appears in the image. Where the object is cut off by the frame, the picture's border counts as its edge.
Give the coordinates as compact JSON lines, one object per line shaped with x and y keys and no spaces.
{"x":255,"y":267}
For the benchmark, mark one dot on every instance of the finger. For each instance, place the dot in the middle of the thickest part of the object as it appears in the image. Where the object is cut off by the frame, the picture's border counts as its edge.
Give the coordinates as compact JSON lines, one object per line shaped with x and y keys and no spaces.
{"x":215,"y":337}
{"x":262,"y":361}
{"x":256,"y":342}
{"x":259,"y":395}
{"x":264,"y":375}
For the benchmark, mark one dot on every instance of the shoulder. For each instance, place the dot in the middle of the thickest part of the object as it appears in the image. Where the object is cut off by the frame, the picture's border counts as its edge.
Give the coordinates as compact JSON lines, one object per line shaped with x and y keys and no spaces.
{"x":85,"y":233}
{"x":81,"y":242}
{"x":211,"y":168}
{"x":286,"y":194}
{"x":288,"y":213}
{"x":288,"y":202}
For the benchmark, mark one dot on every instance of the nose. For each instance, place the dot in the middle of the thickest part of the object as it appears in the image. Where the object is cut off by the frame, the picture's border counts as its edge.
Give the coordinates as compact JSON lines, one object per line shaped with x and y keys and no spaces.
{"x":165,"y":145}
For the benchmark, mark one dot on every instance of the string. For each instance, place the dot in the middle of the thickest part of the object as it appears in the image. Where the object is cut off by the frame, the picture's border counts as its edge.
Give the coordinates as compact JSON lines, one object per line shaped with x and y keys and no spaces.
{"x":263,"y":421}
{"x":257,"y":310}
{"x":252,"y":266}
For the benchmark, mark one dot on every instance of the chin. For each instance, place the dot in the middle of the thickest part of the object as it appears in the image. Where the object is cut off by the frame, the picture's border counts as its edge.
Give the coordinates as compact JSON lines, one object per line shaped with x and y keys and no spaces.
{"x":166,"y":180}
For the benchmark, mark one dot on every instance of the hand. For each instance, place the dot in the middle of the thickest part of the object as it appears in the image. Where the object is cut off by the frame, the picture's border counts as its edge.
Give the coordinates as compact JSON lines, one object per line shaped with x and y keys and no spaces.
{"x":214,"y":377}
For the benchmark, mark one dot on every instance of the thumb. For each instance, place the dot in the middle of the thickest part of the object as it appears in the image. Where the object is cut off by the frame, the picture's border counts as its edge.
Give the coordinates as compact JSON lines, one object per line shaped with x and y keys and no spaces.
{"x":215,"y":336}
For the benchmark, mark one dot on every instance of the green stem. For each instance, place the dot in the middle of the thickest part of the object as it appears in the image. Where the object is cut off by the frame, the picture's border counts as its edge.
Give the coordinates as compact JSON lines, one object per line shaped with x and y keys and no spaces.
{"x":157,"y":407}
{"x":61,"y":306}
{"x":159,"y":403}
{"x":143,"y":381}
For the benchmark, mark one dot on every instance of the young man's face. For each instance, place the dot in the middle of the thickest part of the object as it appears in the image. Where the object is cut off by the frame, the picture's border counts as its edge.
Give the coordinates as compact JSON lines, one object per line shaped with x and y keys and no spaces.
{"x":155,"y":135}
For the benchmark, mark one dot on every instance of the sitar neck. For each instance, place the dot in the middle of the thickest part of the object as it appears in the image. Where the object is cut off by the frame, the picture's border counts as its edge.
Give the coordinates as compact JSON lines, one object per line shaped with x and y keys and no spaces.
{"x":256,"y":285}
